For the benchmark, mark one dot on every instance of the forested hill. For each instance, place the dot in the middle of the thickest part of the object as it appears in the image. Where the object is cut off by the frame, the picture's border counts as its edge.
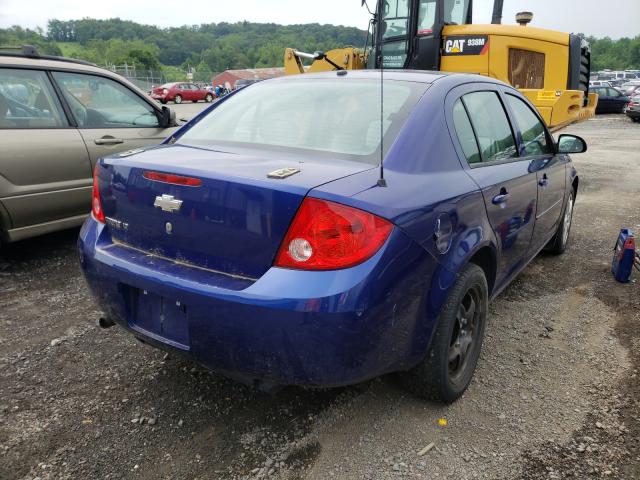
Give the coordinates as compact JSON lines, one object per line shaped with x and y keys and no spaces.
{"x":215,"y":46}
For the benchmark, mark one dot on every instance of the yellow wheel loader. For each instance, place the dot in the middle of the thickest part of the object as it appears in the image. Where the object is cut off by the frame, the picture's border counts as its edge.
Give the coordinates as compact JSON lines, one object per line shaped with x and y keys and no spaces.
{"x":551,"y":68}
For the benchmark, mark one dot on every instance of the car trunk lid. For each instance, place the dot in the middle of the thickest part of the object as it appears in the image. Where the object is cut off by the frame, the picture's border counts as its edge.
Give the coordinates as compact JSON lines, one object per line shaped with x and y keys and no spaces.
{"x":232,"y":222}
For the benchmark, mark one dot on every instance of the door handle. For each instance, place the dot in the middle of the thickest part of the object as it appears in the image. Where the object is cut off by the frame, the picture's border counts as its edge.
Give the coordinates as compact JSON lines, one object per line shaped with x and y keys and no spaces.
{"x":108,"y":141}
{"x":544,"y":181}
{"x":501,"y":198}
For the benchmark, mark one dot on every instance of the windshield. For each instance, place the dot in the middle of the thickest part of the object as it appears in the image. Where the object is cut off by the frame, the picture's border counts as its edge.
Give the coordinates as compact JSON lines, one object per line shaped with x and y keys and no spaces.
{"x":335,"y":117}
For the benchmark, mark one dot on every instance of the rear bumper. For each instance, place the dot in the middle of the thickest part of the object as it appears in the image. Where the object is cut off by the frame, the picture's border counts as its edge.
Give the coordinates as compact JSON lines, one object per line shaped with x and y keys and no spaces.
{"x":287,"y":327}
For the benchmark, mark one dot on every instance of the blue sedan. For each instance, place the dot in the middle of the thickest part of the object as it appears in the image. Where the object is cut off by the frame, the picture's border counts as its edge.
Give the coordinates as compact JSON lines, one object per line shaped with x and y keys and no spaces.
{"x":265,"y":241}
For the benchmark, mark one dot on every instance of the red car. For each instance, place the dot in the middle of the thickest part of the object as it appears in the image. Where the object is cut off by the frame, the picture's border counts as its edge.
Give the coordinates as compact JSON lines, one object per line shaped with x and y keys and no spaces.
{"x":181,"y":92}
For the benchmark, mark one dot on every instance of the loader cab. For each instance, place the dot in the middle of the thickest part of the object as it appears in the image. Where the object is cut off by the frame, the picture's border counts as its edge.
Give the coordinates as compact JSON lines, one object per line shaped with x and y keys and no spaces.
{"x":412,"y":31}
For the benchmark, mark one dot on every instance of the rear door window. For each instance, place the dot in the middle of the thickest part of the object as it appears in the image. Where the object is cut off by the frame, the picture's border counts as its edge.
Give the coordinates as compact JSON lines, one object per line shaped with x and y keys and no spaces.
{"x":465,"y":134}
{"x":491,"y":125}
{"x":27,"y":100}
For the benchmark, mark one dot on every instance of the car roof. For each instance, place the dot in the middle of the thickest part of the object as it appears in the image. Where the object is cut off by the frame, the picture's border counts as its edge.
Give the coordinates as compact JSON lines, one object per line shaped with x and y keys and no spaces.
{"x":419,"y":76}
{"x":52,"y":63}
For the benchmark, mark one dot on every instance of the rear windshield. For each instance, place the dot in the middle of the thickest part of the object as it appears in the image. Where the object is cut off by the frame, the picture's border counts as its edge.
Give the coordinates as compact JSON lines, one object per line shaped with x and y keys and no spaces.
{"x":337,"y":117}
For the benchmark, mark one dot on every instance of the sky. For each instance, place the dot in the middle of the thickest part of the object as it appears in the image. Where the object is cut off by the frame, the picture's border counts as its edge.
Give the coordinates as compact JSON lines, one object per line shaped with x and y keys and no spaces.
{"x":617,"y":18}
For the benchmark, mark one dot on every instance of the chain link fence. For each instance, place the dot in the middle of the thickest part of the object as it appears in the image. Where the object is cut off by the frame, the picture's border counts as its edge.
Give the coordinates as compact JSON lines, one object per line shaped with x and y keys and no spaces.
{"x":146,"y":79}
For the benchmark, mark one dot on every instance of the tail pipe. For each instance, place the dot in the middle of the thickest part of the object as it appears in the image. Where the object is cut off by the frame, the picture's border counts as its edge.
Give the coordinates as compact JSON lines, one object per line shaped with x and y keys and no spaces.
{"x":496,"y":19}
{"x":106,"y":322}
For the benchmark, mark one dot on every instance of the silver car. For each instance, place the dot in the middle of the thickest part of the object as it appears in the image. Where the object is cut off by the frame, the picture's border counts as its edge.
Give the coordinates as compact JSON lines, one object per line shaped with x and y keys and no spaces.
{"x":57,"y":118}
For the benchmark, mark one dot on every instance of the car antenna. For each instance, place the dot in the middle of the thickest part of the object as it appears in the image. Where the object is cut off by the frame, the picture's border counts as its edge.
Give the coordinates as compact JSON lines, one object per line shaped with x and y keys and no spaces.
{"x":379,"y":19}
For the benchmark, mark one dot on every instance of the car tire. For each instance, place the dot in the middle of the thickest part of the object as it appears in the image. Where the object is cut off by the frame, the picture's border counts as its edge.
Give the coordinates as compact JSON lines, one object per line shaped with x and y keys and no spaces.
{"x":178,"y":99}
{"x":447,"y":370}
{"x":208,"y":98}
{"x":163,"y":102}
{"x":560,"y":240}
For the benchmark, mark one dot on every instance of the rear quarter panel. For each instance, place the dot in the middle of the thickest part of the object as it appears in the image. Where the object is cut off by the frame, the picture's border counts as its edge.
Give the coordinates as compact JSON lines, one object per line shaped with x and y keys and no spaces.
{"x":427,"y":191}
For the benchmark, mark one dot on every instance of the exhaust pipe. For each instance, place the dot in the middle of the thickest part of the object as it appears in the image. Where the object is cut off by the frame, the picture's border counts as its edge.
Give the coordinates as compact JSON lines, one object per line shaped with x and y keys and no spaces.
{"x":106,"y":322}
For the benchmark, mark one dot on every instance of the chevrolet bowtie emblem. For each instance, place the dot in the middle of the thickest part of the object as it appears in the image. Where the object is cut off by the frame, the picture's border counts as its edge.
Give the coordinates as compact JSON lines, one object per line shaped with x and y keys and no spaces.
{"x":167,"y":203}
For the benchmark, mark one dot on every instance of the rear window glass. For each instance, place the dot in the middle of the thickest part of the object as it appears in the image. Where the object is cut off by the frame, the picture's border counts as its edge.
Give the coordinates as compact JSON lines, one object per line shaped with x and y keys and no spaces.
{"x":336,"y":117}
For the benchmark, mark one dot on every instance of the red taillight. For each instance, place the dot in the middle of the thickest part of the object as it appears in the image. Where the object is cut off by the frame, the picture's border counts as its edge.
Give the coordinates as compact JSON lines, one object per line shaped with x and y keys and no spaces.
{"x":96,"y":203}
{"x":329,"y":236}
{"x":173,"y":179}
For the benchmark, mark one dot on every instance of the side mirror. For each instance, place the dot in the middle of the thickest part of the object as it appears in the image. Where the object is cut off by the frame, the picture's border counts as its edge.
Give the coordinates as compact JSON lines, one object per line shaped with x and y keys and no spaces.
{"x":167,"y":117}
{"x":571,"y":144}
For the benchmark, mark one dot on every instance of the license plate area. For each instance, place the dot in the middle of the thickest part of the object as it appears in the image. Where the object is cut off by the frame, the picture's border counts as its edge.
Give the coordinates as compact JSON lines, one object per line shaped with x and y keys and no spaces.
{"x":160,"y":318}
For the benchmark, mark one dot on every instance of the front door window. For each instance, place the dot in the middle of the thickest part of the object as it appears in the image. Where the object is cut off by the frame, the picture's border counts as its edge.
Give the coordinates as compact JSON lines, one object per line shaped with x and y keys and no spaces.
{"x":99,"y":102}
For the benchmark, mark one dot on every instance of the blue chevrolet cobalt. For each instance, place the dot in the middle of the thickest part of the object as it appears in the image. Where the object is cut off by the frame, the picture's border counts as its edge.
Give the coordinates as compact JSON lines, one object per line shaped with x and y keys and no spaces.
{"x":264,"y":240}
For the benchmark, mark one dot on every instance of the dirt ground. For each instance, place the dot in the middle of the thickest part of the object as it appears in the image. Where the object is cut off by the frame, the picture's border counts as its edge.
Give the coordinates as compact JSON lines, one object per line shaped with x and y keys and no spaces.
{"x":556,"y":394}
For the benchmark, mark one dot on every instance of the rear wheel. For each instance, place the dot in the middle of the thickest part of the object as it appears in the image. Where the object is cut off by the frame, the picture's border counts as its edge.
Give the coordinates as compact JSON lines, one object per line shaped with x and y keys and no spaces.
{"x":559,"y":242}
{"x":178,"y":99}
{"x":208,"y":98}
{"x":446,"y":371}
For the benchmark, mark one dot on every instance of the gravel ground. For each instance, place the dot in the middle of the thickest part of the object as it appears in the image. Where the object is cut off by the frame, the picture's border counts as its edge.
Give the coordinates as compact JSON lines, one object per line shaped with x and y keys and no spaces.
{"x":556,"y":393}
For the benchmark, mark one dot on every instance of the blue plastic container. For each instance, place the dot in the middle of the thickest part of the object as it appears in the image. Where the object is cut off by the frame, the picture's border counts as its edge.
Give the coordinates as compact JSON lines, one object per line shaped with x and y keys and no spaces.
{"x":623,"y":256}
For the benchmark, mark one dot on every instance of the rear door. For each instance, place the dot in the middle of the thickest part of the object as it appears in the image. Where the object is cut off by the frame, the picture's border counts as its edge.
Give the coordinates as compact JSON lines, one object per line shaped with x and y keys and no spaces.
{"x":603,"y":100}
{"x":508,"y":185}
{"x":187,"y":92}
{"x":196,"y":93}
{"x":111,"y":117}
{"x":536,"y":147}
{"x":45,"y":174}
